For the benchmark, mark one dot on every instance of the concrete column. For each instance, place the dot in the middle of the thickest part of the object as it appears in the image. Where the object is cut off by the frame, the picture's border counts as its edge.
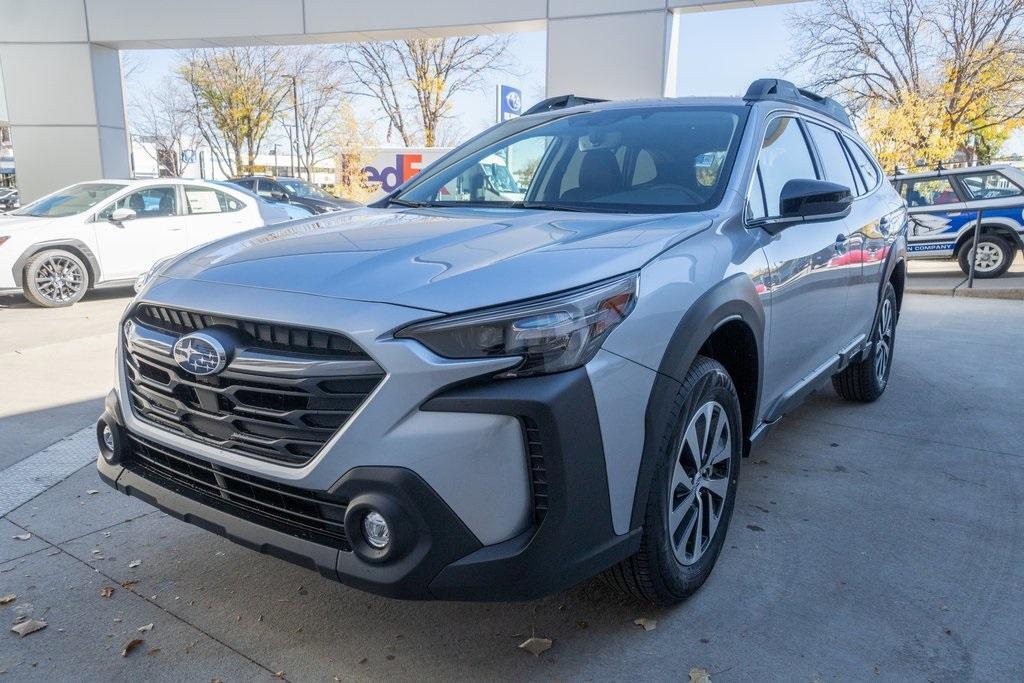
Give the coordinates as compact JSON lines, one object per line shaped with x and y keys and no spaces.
{"x":615,"y":55}
{"x":66,"y":111}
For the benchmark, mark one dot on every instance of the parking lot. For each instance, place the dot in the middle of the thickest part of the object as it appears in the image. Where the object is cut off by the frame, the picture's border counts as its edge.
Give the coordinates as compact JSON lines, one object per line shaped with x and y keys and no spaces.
{"x":880,"y":541}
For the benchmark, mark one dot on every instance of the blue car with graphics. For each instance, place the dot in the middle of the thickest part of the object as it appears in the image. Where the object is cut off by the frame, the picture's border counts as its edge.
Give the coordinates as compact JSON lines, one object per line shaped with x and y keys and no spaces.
{"x":944,"y":207}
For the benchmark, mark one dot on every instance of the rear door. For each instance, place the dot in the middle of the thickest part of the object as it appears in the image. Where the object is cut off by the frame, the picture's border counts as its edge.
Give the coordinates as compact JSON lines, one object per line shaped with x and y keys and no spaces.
{"x":808,"y":292}
{"x":994,"y":192}
{"x":214,"y":213}
{"x":937,"y":214}
{"x":130,"y":247}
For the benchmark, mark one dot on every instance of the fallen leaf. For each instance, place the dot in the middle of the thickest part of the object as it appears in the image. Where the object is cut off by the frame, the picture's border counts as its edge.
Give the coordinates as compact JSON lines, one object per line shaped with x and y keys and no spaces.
{"x":279,"y":674}
{"x":154,"y":651}
{"x":91,"y":492}
{"x":134,"y":563}
{"x":131,"y":645}
{"x":106,"y":591}
{"x":754,"y":527}
{"x":536,"y":646}
{"x":144,"y":629}
{"x":22,"y":537}
{"x":28,"y":626}
{"x":699,"y":675}
{"x":646,"y":624}
{"x":129,"y":584}
{"x":8,"y":599}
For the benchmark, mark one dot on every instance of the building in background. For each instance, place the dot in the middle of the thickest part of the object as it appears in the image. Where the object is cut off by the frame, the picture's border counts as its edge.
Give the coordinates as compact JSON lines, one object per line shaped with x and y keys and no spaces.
{"x":7,"y":178}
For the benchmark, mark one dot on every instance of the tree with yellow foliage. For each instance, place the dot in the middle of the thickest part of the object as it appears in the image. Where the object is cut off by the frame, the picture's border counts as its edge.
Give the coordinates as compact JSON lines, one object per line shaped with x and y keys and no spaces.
{"x":929,"y":79}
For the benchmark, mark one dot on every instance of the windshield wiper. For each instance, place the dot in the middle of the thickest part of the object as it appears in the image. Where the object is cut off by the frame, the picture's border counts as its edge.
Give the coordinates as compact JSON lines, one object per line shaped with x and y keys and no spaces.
{"x":550,"y":206}
{"x":407,"y":202}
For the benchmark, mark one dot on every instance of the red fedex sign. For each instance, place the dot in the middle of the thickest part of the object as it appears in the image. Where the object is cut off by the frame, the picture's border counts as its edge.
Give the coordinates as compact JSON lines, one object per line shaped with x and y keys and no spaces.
{"x":392,"y":167}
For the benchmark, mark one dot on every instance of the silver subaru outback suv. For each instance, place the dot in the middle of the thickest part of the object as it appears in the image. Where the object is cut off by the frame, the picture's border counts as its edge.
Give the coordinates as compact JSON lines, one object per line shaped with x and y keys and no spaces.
{"x":541,"y":359}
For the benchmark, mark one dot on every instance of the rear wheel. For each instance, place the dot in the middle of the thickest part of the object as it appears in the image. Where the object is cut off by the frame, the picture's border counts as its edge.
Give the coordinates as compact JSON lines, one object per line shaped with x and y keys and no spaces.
{"x":55,"y":278}
{"x":865,"y":380}
{"x":995,"y":255}
{"x":693,"y":491}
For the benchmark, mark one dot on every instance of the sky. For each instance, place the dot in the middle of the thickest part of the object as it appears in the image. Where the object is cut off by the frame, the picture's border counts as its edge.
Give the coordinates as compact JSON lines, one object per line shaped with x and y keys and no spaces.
{"x":755,"y":39}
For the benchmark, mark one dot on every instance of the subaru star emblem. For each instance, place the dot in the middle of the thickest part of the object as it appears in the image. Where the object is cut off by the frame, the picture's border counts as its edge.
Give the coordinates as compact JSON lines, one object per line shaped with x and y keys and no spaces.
{"x":200,"y":354}
{"x":513,"y":101}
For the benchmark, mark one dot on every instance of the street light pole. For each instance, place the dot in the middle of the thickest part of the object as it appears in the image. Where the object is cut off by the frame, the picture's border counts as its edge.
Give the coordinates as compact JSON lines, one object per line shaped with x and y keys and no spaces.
{"x":295,"y":112}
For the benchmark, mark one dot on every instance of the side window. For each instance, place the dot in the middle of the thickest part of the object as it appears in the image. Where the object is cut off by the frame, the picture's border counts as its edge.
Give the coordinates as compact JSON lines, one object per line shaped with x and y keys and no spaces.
{"x":833,"y":157}
{"x":202,"y":200}
{"x":784,"y":156}
{"x":988,"y":185}
{"x":862,"y":161}
{"x":928,"y":192}
{"x":247,"y":184}
{"x":151,"y":202}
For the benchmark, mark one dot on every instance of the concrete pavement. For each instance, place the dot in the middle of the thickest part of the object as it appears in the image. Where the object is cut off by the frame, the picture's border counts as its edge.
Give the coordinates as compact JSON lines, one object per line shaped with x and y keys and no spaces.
{"x":56,"y":366}
{"x":881,"y":541}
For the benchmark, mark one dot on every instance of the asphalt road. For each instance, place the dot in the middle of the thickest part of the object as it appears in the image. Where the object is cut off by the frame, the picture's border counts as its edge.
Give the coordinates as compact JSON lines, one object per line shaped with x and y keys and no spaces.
{"x":877,"y":542}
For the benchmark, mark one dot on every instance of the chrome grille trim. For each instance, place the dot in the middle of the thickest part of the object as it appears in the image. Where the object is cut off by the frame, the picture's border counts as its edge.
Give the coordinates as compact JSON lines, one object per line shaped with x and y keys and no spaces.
{"x":277,"y":406}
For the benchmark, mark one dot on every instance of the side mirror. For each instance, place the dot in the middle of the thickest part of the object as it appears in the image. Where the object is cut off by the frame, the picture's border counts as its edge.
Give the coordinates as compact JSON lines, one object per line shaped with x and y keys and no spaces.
{"x":279,"y":196}
{"x":807,"y":201}
{"x":122,"y":214}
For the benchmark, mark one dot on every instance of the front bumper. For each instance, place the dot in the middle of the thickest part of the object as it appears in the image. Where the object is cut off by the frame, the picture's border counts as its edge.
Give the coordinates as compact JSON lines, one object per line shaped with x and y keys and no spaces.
{"x":571,"y":536}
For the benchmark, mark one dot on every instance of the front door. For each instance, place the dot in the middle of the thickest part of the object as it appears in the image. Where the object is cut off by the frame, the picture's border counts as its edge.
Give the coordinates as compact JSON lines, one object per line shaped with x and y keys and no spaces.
{"x":808,"y":290}
{"x":156,"y":229}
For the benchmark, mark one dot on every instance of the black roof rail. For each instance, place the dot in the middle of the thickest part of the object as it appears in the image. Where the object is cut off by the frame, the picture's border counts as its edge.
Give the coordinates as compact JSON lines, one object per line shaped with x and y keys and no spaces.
{"x":779,"y":90}
{"x":560,"y":102}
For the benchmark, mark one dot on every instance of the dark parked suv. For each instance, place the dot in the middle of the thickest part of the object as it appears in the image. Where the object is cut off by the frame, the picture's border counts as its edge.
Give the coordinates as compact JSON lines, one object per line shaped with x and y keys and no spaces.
{"x":458,"y":394}
{"x":294,"y":191}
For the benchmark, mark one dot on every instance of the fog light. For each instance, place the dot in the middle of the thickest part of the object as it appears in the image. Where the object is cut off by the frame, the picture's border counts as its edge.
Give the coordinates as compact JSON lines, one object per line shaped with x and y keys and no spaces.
{"x":108,"y":438}
{"x":375,"y":530}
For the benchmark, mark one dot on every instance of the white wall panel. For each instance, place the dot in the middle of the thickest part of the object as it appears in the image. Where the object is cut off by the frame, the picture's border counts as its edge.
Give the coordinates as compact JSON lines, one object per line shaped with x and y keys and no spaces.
{"x":48,"y":84}
{"x":114,"y":20}
{"x":42,"y":21}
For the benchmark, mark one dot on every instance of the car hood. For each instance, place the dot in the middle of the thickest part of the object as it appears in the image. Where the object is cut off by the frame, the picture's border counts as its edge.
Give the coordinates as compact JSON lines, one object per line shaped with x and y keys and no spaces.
{"x":442,"y":260}
{"x":12,"y":225}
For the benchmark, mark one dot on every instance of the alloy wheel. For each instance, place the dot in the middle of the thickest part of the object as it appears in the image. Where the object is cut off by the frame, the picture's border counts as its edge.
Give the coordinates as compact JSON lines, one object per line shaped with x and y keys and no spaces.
{"x":699,"y":483}
{"x":883,"y":340}
{"x":59,"y":279}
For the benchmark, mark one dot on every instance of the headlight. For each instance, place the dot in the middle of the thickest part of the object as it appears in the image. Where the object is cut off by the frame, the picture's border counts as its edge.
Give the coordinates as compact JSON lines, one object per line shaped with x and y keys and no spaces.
{"x":552,"y":334}
{"x":147,"y":277}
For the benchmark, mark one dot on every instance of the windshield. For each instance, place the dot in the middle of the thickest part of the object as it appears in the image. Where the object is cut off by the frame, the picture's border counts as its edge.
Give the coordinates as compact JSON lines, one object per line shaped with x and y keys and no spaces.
{"x":70,"y":200}
{"x":654,"y":159}
{"x":300,"y":188}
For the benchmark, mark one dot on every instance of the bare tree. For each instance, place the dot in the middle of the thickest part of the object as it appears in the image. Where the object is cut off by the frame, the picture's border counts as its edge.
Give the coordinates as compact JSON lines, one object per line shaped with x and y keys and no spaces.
{"x":322,"y":87}
{"x":164,"y":119}
{"x":422,"y":76}
{"x":236,"y":94}
{"x":966,"y":54}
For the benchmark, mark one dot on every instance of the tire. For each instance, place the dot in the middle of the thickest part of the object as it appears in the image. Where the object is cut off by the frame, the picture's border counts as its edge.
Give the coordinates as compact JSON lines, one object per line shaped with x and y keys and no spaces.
{"x":55,"y":278}
{"x":668,"y":569}
{"x":995,"y":256}
{"x":866,"y":380}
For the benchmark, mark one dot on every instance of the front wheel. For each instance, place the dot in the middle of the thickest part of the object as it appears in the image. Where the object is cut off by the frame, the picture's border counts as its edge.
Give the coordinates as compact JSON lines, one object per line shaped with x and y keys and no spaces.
{"x":994,"y":257}
{"x":692,"y":493}
{"x":55,"y":278}
{"x":865,"y":380}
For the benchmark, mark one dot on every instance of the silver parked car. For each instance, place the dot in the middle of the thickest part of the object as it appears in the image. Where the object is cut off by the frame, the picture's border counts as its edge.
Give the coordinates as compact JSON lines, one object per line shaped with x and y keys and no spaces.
{"x":455,"y":394}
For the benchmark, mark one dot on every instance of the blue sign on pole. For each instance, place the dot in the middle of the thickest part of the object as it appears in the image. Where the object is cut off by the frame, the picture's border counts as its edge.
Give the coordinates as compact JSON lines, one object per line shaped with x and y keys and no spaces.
{"x":188,"y":156}
{"x":510,"y":102}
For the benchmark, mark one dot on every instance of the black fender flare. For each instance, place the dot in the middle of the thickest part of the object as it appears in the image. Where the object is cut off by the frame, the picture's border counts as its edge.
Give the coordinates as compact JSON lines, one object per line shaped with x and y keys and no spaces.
{"x":734,"y":298}
{"x":93,"y":264}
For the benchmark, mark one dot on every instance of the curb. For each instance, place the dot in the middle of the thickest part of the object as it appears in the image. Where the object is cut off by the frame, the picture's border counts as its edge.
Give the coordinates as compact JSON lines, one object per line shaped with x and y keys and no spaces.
{"x":1010,"y":294}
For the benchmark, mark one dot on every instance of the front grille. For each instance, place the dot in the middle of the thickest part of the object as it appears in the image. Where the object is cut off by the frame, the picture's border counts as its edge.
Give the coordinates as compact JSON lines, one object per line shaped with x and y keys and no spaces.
{"x":279,"y":419}
{"x":254,"y":334}
{"x":296,"y":512}
{"x":538,"y":473}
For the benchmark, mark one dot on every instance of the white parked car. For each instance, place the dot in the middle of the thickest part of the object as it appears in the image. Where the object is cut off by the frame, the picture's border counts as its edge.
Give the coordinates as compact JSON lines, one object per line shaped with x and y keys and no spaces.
{"x":105,"y":233}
